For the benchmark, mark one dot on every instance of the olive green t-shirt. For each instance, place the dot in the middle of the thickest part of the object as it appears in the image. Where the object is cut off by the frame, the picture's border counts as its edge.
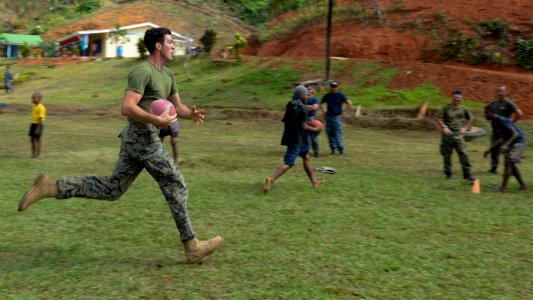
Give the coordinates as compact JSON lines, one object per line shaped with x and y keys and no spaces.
{"x":504,"y":107}
{"x":151,"y":83}
{"x":454,"y":118}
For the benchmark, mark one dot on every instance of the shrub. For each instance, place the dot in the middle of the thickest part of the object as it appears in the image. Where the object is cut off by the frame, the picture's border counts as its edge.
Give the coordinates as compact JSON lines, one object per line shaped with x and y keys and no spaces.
{"x":87,"y":6}
{"x":208,"y":40}
{"x":36,"y":30}
{"x":49,"y":48}
{"x":141,"y":47}
{"x":240,"y":42}
{"x":524,"y":53}
{"x":25,"y":50}
{"x":462,"y":48}
{"x":496,"y":29}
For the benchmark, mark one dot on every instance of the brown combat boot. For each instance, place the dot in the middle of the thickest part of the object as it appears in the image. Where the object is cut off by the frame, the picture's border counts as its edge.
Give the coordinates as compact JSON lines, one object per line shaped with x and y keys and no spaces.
{"x":43,"y":187}
{"x":195,"y":249}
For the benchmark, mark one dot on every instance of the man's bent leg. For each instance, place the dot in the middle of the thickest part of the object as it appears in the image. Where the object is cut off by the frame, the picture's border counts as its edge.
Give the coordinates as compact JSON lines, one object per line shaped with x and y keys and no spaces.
{"x":102,"y":187}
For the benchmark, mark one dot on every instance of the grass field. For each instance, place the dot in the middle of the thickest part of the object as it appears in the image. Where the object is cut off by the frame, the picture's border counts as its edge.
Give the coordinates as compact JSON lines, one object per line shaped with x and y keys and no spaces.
{"x":386,"y":226}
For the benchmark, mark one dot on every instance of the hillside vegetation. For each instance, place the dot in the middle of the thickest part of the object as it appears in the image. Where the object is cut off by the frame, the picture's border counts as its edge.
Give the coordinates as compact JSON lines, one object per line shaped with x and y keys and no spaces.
{"x":254,"y":84}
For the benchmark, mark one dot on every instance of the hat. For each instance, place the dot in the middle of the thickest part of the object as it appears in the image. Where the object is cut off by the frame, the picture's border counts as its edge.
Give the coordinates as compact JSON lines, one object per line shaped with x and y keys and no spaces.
{"x":299,"y":92}
{"x":333,"y":84}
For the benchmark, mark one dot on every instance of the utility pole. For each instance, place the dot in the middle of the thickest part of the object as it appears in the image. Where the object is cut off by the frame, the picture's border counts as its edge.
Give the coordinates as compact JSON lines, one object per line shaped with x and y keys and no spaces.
{"x":328,"y":39}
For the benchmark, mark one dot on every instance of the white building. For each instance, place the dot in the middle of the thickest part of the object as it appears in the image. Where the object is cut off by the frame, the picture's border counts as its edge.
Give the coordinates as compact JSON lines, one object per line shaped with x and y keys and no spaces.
{"x":99,"y":43}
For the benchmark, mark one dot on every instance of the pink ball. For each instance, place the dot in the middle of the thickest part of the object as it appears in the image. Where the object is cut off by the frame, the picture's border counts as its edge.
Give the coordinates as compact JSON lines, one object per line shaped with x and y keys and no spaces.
{"x":315,"y":123}
{"x":162,"y":105}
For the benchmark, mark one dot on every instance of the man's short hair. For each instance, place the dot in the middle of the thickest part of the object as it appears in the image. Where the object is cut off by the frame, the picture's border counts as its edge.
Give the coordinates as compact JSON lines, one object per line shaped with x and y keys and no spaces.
{"x":153,"y":36}
{"x":37,"y":95}
{"x":457,"y":92}
{"x":490,"y":108}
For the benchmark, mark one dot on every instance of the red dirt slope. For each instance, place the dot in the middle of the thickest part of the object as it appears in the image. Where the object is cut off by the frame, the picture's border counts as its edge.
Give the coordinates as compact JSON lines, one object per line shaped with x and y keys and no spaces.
{"x":406,"y":49}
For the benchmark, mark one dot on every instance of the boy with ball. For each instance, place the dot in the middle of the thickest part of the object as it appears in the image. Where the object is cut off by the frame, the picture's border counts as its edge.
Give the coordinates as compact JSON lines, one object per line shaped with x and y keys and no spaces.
{"x":295,"y":138}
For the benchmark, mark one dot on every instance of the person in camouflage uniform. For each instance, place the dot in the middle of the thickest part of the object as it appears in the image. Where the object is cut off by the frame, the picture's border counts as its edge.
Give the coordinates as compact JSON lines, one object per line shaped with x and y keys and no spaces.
{"x":455,"y":120}
{"x":141,"y":147}
{"x":503,"y":107}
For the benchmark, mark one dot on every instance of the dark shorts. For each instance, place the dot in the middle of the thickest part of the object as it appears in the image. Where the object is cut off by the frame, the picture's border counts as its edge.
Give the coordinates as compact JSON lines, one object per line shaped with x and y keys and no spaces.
{"x":163,"y":132}
{"x":293,"y":153}
{"x":32,"y":131}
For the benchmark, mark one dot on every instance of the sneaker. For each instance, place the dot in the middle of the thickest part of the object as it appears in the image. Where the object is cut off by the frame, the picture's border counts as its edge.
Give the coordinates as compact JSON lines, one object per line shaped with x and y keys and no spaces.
{"x":332,"y":152}
{"x":317,"y":154}
{"x":196,"y":250}
{"x":449,"y":176}
{"x":492,"y":170}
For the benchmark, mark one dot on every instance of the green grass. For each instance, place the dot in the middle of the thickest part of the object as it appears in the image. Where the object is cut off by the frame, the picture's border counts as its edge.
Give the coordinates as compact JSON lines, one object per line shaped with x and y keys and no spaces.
{"x":256,"y":84}
{"x":386,"y":226}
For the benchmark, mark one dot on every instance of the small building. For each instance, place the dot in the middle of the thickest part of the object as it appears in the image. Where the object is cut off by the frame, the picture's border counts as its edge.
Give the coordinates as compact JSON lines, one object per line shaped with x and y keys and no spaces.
{"x":99,"y":42}
{"x":10,"y":43}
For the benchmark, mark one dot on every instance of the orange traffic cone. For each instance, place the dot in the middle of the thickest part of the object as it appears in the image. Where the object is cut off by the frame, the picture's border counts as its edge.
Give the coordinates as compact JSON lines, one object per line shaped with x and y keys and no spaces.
{"x":475,"y":187}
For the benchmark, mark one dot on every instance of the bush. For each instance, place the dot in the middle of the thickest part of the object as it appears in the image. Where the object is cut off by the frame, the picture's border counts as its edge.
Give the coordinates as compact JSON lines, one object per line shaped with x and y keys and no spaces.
{"x":49,"y":48}
{"x":240,"y":43}
{"x":87,"y":6}
{"x":25,"y":50}
{"x":208,"y":40}
{"x":141,"y":47}
{"x":524,"y":53}
{"x":462,"y":48}
{"x":496,"y":29}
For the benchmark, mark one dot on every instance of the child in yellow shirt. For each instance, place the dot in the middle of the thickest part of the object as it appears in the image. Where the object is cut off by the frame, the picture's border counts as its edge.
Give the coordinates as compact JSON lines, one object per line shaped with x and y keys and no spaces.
{"x":38,"y":115}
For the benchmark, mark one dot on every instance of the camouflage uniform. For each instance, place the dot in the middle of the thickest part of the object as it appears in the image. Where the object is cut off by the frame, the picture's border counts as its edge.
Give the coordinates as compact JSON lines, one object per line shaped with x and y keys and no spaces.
{"x":454,"y":118}
{"x":140,"y":149}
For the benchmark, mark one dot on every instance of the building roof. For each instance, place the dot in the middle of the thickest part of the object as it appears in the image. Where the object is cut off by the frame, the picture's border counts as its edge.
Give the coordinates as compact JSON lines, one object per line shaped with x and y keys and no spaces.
{"x":175,"y":34}
{"x":19,"y":39}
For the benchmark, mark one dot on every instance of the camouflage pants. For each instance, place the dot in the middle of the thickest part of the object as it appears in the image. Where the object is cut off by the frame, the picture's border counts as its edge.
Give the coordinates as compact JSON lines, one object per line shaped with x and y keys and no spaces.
{"x":133,"y":158}
{"x":457,"y":142}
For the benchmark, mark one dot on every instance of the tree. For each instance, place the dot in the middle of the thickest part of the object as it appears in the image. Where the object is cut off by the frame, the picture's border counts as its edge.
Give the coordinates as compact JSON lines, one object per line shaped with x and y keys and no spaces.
{"x":118,"y":36}
{"x":208,"y":40}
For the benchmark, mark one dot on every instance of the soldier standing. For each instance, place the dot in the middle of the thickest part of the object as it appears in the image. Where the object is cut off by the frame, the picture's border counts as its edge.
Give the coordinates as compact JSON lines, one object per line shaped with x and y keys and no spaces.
{"x":503,"y":107}
{"x":455,"y":120}
{"x":141,"y":147}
